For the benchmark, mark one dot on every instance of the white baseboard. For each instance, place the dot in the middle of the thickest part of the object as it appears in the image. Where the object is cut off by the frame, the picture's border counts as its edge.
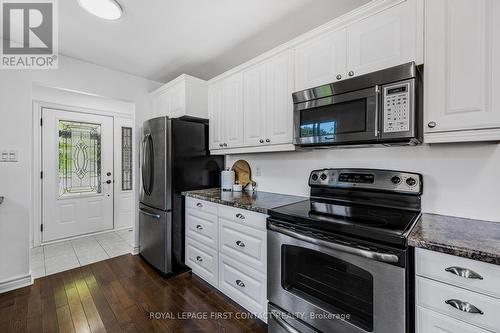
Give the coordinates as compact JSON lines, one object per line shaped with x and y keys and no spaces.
{"x":135,"y":250}
{"x":18,"y":282}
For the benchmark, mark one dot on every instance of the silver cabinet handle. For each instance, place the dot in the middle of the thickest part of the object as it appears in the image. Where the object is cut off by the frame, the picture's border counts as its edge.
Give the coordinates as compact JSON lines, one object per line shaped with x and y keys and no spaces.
{"x":268,"y":140}
{"x":351,"y":73}
{"x":240,"y":244}
{"x":240,"y":216}
{"x":463,"y":272}
{"x":153,"y":215}
{"x":378,"y":256}
{"x":199,"y":204}
{"x":463,"y":306}
{"x":432,"y":124}
{"x":286,"y":326}
{"x":225,"y":144}
{"x":221,"y":145}
{"x":199,"y":227}
{"x":240,"y":283}
{"x":339,"y":76}
{"x":199,"y":259}
{"x":261,"y":140}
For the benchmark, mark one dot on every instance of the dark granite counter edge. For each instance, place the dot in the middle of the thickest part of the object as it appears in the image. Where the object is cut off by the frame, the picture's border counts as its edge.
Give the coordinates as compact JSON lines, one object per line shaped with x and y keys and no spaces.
{"x":224,"y":202}
{"x":490,"y":258}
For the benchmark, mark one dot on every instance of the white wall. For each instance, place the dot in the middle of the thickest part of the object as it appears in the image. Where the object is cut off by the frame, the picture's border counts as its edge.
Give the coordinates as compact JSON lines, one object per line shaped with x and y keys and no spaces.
{"x":16,"y":133}
{"x":459,"y":179}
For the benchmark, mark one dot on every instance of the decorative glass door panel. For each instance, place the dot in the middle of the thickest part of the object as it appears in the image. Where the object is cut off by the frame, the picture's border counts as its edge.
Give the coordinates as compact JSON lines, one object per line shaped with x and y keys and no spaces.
{"x":79,"y":158}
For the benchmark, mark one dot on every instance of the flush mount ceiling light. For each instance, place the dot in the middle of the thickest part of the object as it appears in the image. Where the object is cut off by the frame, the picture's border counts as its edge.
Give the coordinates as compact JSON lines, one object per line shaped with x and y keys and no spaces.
{"x":105,"y":9}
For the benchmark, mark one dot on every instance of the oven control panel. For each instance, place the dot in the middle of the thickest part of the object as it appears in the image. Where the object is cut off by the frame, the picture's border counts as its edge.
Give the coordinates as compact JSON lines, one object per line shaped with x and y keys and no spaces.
{"x":373,"y":179}
{"x":397,"y":105}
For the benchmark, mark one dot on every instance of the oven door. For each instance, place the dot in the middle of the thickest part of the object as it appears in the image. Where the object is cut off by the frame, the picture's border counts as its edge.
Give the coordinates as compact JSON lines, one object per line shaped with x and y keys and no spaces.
{"x":332,"y":288}
{"x":346,"y":118}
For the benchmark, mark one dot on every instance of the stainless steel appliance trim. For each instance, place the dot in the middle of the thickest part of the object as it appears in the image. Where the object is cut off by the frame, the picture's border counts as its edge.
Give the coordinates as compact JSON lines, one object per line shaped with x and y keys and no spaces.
{"x":389,"y":289}
{"x":382,"y":257}
{"x":464,"y":272}
{"x":393,"y":74}
{"x":337,"y":99}
{"x":463,"y":306}
{"x":156,"y":216}
{"x":286,"y":326}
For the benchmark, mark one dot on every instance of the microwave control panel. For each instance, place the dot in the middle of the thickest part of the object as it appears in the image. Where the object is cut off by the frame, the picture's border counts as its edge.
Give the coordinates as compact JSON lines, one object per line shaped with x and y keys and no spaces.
{"x":397,"y":107}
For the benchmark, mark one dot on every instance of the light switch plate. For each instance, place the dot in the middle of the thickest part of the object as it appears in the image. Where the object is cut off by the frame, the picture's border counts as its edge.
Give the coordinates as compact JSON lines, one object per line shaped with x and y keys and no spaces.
{"x":8,"y":155}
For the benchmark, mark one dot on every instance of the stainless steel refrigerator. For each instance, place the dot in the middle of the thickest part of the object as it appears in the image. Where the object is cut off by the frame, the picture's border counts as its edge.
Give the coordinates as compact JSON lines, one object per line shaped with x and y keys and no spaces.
{"x":174,"y":158}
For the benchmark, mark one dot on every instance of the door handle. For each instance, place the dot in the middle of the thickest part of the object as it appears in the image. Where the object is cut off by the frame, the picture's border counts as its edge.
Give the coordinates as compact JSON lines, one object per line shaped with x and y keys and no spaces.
{"x":378,"y":256}
{"x":199,"y":227}
{"x":108,"y":181}
{"x":463,"y":306}
{"x":285,"y":325}
{"x":463,"y":272}
{"x":153,"y":215}
{"x":240,"y":283}
{"x":240,"y":244}
{"x":240,"y":216}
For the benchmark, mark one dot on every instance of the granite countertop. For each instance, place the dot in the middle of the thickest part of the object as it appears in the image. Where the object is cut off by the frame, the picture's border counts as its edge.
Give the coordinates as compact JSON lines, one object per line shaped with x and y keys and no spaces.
{"x":259,"y":202}
{"x":473,"y":239}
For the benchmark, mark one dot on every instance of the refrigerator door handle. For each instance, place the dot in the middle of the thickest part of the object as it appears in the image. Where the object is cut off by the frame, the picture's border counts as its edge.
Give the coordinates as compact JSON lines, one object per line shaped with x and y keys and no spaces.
{"x":148,"y":164}
{"x":153,"y":215}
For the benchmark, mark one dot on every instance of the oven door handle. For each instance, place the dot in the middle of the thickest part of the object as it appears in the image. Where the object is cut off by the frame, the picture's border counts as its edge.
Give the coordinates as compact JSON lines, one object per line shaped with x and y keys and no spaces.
{"x":286,"y":326}
{"x":383,"y":257}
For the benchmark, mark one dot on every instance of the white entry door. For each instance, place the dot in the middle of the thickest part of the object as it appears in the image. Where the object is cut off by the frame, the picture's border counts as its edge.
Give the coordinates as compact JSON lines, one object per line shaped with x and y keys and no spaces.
{"x":77,"y":184}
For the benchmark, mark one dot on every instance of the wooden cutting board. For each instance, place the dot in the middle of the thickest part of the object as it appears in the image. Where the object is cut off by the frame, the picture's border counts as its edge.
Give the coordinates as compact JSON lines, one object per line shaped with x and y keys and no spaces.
{"x":242,"y":172}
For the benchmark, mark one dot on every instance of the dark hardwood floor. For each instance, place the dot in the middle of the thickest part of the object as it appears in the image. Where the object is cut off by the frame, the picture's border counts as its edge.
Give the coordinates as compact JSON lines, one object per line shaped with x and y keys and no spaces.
{"x":119,"y":295}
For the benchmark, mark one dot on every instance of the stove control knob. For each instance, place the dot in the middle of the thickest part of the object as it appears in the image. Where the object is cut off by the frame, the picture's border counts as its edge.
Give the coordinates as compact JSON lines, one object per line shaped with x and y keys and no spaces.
{"x":314,"y":177}
{"x":411,"y":181}
{"x":396,"y":180}
{"x":323,"y":176}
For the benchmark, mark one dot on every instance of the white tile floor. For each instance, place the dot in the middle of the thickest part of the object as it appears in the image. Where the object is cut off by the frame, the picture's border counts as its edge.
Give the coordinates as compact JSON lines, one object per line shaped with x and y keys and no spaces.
{"x":54,"y":258}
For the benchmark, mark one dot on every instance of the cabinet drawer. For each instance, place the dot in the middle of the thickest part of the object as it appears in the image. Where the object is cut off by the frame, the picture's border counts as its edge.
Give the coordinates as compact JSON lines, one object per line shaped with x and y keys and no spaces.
{"x":434,"y":295}
{"x":202,"y":260}
{"x":201,"y":206}
{"x":444,"y":267}
{"x":432,"y":322}
{"x":202,"y":227}
{"x":246,"y":245}
{"x":244,"y":285}
{"x":243,"y":217}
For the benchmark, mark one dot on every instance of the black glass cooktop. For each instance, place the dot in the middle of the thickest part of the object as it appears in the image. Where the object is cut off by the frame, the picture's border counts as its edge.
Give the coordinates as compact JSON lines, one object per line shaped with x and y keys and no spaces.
{"x":386,"y":225}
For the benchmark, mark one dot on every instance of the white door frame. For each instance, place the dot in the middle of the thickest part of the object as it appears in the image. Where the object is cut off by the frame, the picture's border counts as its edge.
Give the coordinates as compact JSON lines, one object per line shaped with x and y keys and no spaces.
{"x":37,"y":157}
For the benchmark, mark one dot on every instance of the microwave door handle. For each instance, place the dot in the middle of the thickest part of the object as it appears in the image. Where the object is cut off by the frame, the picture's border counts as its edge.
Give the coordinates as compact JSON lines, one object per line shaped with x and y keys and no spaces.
{"x":382,"y":257}
{"x":286,"y":326}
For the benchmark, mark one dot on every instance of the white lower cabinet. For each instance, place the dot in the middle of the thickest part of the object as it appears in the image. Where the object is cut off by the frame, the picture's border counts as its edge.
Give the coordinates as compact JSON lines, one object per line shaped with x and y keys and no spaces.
{"x":227,"y":247}
{"x":455,"y":295}
{"x":433,"y":322}
{"x":243,"y":284}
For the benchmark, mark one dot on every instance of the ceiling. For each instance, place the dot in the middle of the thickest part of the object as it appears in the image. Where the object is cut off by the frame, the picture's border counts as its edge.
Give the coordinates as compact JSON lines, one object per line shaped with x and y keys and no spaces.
{"x":161,"y":39}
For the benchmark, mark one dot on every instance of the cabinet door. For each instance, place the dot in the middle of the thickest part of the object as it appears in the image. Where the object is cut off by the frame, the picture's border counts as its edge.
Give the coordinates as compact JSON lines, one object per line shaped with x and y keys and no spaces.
{"x":232,"y":106}
{"x":160,"y":104}
{"x":462,"y":73}
{"x":320,"y":60}
{"x":177,"y":100}
{"x":254,"y":105}
{"x":216,"y":117}
{"x":383,"y":40}
{"x":432,"y":322}
{"x":279,"y":115}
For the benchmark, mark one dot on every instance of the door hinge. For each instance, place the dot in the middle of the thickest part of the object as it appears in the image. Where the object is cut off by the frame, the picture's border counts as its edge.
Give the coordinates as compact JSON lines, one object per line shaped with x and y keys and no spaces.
{"x":41,"y":121}
{"x":41,"y":227}
{"x":41,"y":174}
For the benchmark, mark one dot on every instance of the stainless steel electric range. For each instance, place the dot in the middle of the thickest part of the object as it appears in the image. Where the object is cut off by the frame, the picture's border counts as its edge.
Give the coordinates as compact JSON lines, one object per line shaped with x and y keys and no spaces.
{"x":339,"y":262}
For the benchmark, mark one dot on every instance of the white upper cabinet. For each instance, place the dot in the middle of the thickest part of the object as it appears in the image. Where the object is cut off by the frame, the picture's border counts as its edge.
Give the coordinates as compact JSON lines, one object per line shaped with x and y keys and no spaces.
{"x":280,"y":86}
{"x":462,"y":71}
{"x":383,"y":40}
{"x":321,"y":60}
{"x":184,"y":96}
{"x":226,"y":113}
{"x":254,"y":104}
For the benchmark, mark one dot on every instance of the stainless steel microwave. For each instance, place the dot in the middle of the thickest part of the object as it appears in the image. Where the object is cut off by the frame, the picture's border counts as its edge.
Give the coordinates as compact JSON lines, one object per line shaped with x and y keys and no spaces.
{"x":383,"y":107}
